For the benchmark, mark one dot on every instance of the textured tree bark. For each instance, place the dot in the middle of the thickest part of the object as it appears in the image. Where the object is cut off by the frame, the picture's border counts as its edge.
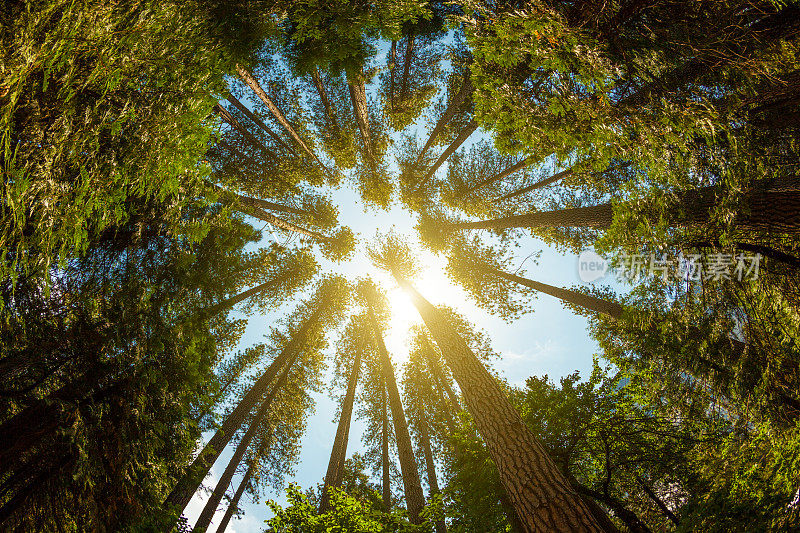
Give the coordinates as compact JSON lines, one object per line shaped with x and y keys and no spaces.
{"x":543,"y":498}
{"x":204,"y":520}
{"x":587,"y":301}
{"x":538,"y":185}
{"x":522,"y":163}
{"x":412,"y":486}
{"x":510,"y":513}
{"x":463,"y":94}
{"x":260,"y":123}
{"x":234,"y":505}
{"x":386,"y":484}
{"x":358,"y":97}
{"x":249,"y":80}
{"x":193,"y":476}
{"x":463,"y":136}
{"x":333,"y":477}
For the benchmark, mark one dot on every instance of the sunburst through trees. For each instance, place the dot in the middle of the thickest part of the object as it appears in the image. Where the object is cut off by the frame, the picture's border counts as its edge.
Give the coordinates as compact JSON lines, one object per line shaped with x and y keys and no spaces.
{"x":173,"y":173}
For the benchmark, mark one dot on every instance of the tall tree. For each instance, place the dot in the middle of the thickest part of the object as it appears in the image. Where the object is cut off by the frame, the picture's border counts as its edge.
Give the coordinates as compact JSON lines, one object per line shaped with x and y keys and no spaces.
{"x":543,"y":498}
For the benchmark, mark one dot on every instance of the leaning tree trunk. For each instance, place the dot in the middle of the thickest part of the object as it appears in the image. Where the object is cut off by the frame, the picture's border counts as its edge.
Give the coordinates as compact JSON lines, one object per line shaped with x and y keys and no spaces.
{"x":519,"y":165}
{"x":393,"y":60}
{"x":358,"y":98}
{"x":538,"y":185}
{"x":771,"y":205}
{"x":544,"y":500}
{"x":276,"y":112}
{"x":333,"y":477}
{"x":465,"y":133}
{"x":225,"y":480}
{"x":464,"y":93}
{"x":412,"y":487}
{"x":407,"y":59}
{"x":234,"y":504}
{"x":235,"y":124}
{"x":188,"y":484}
{"x":430,"y":467}
{"x":386,"y":485}
{"x":260,"y":123}
{"x":330,"y":116}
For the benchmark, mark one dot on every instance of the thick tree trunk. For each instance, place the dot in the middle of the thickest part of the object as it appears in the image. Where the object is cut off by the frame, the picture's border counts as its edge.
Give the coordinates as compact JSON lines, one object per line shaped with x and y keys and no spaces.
{"x":519,"y":165}
{"x":771,"y":205}
{"x":276,"y":112}
{"x":463,"y":94}
{"x":412,"y":486}
{"x":194,"y":474}
{"x":225,"y":480}
{"x":358,"y":98}
{"x":463,"y":136}
{"x":386,"y":484}
{"x":333,"y":477}
{"x":260,"y":123}
{"x":543,"y":498}
{"x":234,"y":505}
{"x":612,"y":309}
{"x":538,"y":185}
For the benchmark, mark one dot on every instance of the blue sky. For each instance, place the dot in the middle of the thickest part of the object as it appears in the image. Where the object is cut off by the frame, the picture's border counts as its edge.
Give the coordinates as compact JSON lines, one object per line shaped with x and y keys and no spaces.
{"x":551,"y":340}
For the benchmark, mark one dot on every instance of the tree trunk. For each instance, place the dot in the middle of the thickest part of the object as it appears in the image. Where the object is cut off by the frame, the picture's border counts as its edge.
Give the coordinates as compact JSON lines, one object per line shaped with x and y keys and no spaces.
{"x":333,"y":477}
{"x":463,"y":94}
{"x":386,"y":485}
{"x":587,"y":301}
{"x":412,"y":486}
{"x":440,"y":379}
{"x":661,"y":505}
{"x":235,"y":124}
{"x":260,"y":214}
{"x":393,"y":60}
{"x":430,"y":467}
{"x":330,"y":116}
{"x":543,"y":498}
{"x":463,"y":136}
{"x":510,"y":513}
{"x":522,"y":163}
{"x":272,"y":206}
{"x":407,"y":59}
{"x":771,"y":205}
{"x":358,"y":98}
{"x":225,"y":480}
{"x":234,"y":504}
{"x":249,"y":80}
{"x":193,"y":476}
{"x":538,"y":185}
{"x":260,"y":123}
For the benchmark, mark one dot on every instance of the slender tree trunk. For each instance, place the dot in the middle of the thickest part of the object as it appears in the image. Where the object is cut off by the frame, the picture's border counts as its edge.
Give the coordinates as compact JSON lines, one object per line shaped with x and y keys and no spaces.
{"x":587,"y":301}
{"x":242,"y":296}
{"x":260,"y":214}
{"x":330,"y":116}
{"x":412,"y":486}
{"x":234,"y":504}
{"x":272,"y":206}
{"x":235,"y":124}
{"x":407,"y":59}
{"x":463,"y":94}
{"x":260,"y":123}
{"x":193,"y":476}
{"x":393,"y":60}
{"x":386,"y":485}
{"x":358,"y":98}
{"x":442,"y":382}
{"x":658,"y":501}
{"x":225,"y":480}
{"x":519,"y":165}
{"x":430,"y":466}
{"x":463,"y":136}
{"x":596,"y":216}
{"x":333,"y":477}
{"x":276,"y":112}
{"x":538,"y":185}
{"x":543,"y":498}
